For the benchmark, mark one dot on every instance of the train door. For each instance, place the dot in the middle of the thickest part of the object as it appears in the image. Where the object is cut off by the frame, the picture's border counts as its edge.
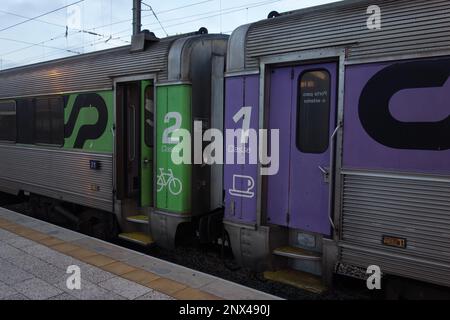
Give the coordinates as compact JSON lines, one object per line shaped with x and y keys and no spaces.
{"x":134,"y":142}
{"x":147,"y":142}
{"x":302,"y":105}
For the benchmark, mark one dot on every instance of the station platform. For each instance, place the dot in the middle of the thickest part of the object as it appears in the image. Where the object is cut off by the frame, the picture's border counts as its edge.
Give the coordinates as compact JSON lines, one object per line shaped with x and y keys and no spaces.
{"x":35,"y":255}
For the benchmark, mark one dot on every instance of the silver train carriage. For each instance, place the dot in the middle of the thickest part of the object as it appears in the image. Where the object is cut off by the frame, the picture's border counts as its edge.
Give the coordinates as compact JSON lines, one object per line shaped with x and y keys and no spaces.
{"x":87,"y":130}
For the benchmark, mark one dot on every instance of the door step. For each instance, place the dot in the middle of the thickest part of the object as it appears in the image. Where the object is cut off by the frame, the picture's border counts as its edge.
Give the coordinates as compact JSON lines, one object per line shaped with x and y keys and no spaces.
{"x":297,"y":253}
{"x":298,"y":279}
{"x":137,"y":237}
{"x":141,"y":219}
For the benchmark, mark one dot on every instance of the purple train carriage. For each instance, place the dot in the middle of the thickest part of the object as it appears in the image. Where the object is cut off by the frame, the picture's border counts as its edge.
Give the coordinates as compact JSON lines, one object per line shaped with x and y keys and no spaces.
{"x":364,"y":128}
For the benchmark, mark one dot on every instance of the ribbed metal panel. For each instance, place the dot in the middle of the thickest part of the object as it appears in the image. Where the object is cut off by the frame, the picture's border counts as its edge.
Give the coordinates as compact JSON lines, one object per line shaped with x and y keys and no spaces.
{"x":58,"y":173}
{"x":408,"y":27}
{"x":414,"y":208}
{"x":85,"y":72}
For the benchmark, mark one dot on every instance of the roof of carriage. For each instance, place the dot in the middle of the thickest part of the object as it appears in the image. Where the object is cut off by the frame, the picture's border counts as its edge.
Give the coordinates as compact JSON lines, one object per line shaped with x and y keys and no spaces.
{"x":92,"y":71}
{"x":407,"y":27}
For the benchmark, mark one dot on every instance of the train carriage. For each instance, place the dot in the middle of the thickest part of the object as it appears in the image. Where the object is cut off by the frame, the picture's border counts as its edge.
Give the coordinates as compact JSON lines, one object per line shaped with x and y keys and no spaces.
{"x":359,"y":92}
{"x":353,"y":96}
{"x":89,"y":130}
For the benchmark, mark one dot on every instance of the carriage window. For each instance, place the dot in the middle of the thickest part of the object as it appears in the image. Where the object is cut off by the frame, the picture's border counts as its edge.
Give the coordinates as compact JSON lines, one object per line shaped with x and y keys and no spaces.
{"x":49,"y":121}
{"x":25,"y":121}
{"x":149,"y":115}
{"x":8,"y":129}
{"x":313,"y":112}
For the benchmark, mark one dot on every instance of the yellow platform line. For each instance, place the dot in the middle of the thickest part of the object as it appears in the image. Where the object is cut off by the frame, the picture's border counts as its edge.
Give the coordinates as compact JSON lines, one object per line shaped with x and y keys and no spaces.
{"x":137,"y":275}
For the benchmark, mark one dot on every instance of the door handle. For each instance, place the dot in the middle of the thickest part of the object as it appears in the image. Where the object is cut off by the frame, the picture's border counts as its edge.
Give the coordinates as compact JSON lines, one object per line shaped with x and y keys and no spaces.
{"x":331,"y":174}
{"x":146,"y":161}
{"x":325,"y":173}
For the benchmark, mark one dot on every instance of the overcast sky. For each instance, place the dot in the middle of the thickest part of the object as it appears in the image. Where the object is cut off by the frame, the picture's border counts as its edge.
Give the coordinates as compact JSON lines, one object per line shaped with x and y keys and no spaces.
{"x":100,"y":24}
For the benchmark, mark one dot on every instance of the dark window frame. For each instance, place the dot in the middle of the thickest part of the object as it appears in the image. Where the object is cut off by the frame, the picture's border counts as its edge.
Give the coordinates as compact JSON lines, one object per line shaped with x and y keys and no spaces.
{"x":12,"y":141}
{"x":299,"y":127}
{"x":25,"y":121}
{"x":61,"y":136}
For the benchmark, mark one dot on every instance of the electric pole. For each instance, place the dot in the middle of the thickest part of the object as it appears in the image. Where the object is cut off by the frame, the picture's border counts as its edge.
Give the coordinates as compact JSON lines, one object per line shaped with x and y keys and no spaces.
{"x":137,"y":17}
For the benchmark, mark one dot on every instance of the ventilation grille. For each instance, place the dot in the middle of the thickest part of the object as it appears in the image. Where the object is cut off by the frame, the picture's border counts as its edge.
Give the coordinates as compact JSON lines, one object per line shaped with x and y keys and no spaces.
{"x":413,"y":208}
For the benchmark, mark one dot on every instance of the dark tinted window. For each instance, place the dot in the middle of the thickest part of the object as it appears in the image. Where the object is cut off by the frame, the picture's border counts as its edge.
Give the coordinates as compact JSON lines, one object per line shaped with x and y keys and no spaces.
{"x":313,"y":112}
{"x":149,"y":115}
{"x":49,"y":121}
{"x":25,"y":121}
{"x":8,"y":121}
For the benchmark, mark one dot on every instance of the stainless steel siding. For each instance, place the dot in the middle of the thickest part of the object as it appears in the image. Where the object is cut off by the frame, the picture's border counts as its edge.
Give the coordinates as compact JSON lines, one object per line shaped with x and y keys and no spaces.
{"x":84,"y":73}
{"x":408,"y":27}
{"x":58,"y":173}
{"x":415,"y":208}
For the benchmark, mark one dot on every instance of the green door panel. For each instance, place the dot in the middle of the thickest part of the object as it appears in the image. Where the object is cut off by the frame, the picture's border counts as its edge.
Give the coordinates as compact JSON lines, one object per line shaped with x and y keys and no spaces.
{"x":147,"y":126}
{"x":173,"y":182}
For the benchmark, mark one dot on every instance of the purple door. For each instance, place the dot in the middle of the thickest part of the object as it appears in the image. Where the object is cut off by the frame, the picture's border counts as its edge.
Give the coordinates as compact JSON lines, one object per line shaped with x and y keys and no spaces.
{"x":302,"y":104}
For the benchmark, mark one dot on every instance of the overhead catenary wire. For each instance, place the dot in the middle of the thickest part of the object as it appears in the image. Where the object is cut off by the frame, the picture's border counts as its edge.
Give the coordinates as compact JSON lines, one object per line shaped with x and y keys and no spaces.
{"x":209,"y":14}
{"x":111,"y":37}
{"x":74,"y":48}
{"x":42,"y":44}
{"x":31,"y":46}
{"x":37,"y":20}
{"x":77,"y":49}
{"x":156,"y":17}
{"x":39,"y":44}
{"x":89,"y":31}
{"x":150,"y":15}
{"x":40,"y":16}
{"x":228,"y":11}
{"x":184,"y":7}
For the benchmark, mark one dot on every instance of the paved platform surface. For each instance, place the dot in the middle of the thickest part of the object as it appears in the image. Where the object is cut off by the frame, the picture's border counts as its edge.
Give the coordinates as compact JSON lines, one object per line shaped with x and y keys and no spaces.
{"x":35,"y":255}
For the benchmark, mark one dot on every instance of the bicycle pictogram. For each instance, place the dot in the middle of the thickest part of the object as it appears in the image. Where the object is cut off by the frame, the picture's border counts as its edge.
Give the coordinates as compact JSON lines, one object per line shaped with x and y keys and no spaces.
{"x":169,"y":180}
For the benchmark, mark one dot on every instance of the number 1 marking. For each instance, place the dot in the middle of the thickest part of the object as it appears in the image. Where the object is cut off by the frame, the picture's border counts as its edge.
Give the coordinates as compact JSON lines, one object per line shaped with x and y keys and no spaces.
{"x":245,"y":113}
